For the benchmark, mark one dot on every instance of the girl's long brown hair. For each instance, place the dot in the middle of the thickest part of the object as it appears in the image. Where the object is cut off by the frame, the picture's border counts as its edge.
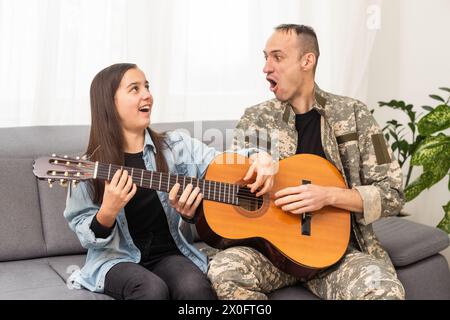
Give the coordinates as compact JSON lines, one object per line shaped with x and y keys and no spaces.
{"x":106,"y":141}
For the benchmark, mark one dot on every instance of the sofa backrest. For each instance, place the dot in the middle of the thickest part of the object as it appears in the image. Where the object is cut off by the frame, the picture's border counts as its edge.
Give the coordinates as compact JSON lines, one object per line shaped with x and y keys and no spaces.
{"x":31,"y":213}
{"x":32,"y":224}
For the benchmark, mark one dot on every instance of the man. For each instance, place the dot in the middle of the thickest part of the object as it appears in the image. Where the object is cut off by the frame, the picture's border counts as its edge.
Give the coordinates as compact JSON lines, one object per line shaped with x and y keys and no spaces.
{"x":342,"y":130}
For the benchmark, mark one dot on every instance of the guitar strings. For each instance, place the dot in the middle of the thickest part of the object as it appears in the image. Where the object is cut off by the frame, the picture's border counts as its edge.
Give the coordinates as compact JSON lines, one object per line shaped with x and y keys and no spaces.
{"x":243,"y":193}
{"x":164,"y":178}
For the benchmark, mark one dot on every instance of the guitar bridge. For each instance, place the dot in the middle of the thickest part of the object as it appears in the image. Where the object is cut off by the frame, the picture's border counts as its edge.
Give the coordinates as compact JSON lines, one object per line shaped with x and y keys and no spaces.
{"x":306,"y":224}
{"x":306,"y":218}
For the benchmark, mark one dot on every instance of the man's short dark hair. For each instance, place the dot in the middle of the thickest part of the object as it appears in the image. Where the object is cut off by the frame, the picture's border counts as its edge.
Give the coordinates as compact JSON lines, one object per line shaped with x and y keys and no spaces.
{"x":307,"y":39}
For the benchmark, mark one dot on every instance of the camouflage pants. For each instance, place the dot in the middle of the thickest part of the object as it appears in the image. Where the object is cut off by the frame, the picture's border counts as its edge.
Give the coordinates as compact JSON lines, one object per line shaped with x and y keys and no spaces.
{"x":244,"y":273}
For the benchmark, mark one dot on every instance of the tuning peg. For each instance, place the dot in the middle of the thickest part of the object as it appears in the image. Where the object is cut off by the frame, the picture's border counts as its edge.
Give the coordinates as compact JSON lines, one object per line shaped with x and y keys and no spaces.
{"x":66,"y":174}
{"x":53,"y":155}
{"x":78,"y":158}
{"x":63,"y":182}
{"x":65,"y":156}
{"x":74,"y":183}
{"x":50,"y":185}
{"x":55,"y":162}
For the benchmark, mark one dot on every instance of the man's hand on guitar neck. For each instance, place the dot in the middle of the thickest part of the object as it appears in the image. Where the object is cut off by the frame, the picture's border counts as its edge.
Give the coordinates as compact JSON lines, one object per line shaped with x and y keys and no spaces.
{"x":265,"y":168}
{"x":309,"y":198}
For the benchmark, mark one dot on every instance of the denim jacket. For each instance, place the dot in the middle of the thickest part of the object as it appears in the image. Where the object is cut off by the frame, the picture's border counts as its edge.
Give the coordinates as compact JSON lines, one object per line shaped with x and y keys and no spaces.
{"x":185,"y":156}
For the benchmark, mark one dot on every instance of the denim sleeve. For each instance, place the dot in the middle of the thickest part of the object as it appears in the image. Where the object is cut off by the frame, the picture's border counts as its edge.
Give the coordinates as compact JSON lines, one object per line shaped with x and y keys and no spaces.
{"x":79,"y":213}
{"x":201,"y":155}
{"x":100,"y":231}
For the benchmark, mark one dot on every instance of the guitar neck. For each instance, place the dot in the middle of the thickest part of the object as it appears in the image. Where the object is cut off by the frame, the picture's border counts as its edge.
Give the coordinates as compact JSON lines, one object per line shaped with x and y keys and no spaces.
{"x":161,"y":181}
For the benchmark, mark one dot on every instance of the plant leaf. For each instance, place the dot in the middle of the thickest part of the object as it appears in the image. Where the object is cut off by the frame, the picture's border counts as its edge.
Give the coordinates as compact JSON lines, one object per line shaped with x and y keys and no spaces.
{"x":393,"y":134}
{"x":403,"y":145}
{"x":436,"y":97}
{"x":416,"y":143}
{"x":438,"y":170}
{"x":436,"y":120}
{"x":394,"y":123}
{"x":427,"y":108}
{"x":426,"y":180}
{"x":431,"y":149}
{"x":445,"y":89}
{"x":394,"y":146}
{"x":417,"y":186}
{"x":393,"y":104}
{"x":445,"y":222}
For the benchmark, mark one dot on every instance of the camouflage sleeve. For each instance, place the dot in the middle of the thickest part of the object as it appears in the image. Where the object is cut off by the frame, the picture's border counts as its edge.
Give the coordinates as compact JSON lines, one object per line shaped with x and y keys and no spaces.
{"x":381,"y":175}
{"x":240,"y":133}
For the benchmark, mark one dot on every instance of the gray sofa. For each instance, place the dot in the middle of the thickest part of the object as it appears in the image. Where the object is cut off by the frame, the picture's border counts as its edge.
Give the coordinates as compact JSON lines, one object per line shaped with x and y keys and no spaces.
{"x":38,"y":251}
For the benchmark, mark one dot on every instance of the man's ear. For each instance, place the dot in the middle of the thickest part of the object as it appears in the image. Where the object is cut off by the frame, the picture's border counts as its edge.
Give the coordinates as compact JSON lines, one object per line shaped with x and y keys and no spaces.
{"x":308,"y":61}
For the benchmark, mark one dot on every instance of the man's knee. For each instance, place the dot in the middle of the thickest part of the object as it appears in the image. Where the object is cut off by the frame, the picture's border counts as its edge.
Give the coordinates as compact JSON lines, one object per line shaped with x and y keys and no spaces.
{"x":379,"y":286}
{"x":388,"y":289}
{"x":230,"y":265}
{"x":231,"y":274}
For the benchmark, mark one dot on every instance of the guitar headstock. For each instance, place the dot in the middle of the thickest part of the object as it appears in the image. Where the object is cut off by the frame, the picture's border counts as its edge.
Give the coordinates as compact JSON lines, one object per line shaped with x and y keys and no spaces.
{"x":63,"y":169}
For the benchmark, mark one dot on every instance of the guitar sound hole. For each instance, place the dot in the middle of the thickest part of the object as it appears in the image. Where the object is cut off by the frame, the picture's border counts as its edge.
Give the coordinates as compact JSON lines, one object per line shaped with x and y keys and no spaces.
{"x":249,"y":201}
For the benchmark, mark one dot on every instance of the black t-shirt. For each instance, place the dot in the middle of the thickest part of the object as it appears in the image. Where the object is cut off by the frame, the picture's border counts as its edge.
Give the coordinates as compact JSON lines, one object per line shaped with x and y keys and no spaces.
{"x":309,"y":140}
{"x":308,"y":128}
{"x":145,"y":216}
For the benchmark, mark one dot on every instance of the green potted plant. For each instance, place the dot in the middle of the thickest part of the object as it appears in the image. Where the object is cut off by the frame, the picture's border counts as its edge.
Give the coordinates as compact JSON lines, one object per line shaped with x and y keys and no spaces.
{"x":428,"y":146}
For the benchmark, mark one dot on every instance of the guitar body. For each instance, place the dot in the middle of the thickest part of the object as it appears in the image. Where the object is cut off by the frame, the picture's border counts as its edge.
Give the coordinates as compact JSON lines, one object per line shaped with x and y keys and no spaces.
{"x":265,"y":227}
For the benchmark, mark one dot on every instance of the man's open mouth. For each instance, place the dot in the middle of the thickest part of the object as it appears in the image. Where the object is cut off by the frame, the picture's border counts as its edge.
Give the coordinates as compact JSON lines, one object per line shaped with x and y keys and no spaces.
{"x":273,"y":85}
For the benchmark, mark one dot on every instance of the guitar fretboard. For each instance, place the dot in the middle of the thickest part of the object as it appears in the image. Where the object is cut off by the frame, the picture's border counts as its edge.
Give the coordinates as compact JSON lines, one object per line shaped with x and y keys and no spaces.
{"x":160,"y":181}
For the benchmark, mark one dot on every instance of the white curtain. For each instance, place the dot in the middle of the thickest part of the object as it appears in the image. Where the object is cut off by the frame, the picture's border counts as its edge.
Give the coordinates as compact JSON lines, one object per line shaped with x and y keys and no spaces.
{"x":203,"y":58}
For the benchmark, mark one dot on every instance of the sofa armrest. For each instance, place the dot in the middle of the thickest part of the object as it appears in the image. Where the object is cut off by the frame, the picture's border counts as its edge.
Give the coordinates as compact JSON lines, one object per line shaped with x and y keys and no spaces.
{"x":407,"y":242}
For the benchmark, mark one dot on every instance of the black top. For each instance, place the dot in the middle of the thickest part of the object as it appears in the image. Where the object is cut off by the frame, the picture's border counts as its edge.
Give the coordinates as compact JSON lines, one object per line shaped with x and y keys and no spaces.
{"x":309,"y":141}
{"x":308,"y":128}
{"x":145,"y":216}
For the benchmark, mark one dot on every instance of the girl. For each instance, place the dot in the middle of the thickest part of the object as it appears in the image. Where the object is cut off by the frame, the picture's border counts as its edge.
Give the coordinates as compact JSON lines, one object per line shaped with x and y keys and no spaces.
{"x":135,"y":247}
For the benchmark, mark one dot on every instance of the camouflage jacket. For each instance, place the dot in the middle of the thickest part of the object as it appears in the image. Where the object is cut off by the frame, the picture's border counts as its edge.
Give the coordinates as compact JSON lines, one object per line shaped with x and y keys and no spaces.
{"x":352,"y":141}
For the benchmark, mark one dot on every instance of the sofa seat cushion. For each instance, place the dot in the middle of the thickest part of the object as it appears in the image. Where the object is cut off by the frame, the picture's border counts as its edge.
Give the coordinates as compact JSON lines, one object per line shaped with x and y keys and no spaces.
{"x":428,"y":279}
{"x":37,"y":279}
{"x":65,"y":265}
{"x":408,"y":242}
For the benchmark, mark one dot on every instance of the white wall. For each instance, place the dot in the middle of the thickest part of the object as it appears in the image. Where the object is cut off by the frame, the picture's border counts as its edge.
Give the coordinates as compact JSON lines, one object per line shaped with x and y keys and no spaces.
{"x":410,"y":60}
{"x":203,"y":58}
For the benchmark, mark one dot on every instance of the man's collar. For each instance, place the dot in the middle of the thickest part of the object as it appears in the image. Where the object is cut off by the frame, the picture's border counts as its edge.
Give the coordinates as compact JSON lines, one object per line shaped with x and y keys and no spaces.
{"x":319,"y":104}
{"x":319,"y":95}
